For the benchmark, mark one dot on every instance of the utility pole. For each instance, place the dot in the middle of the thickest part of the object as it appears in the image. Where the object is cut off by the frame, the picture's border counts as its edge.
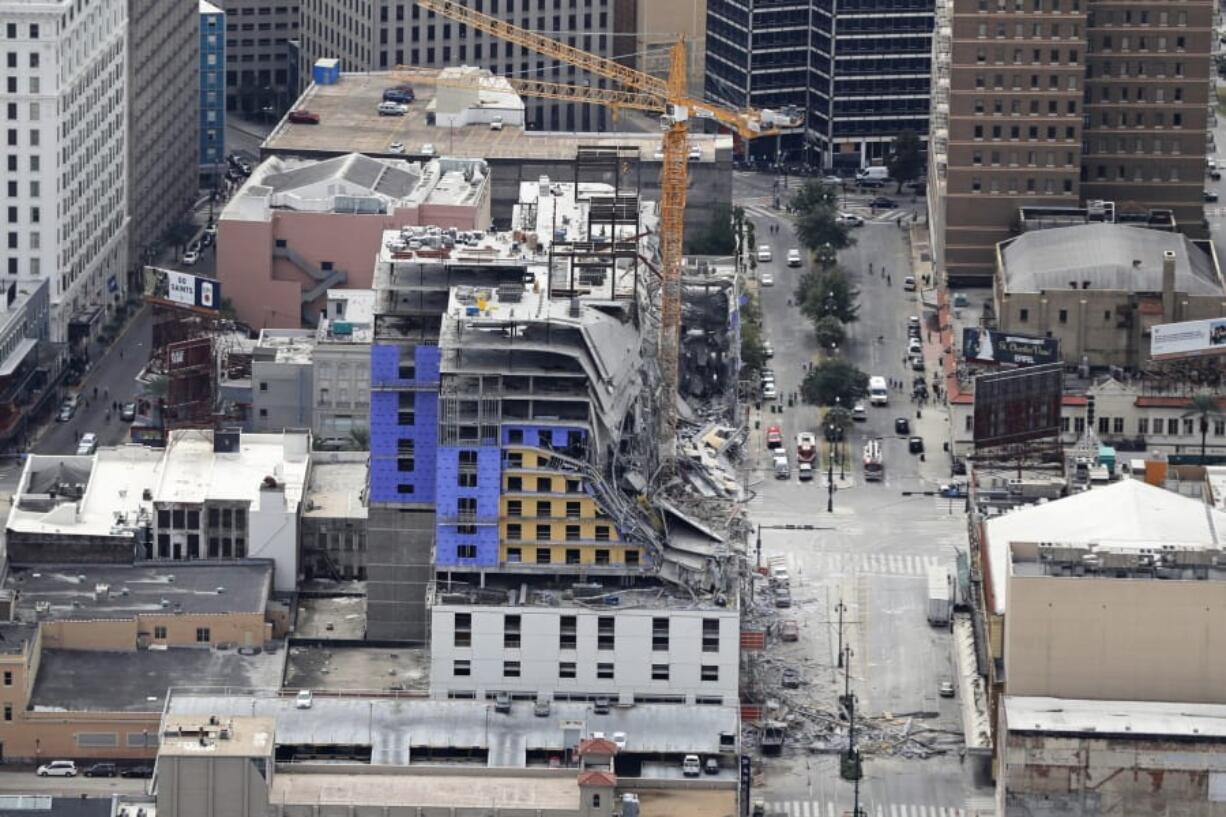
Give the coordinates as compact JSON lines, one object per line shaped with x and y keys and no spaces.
{"x":830,"y":479}
{"x":850,"y":766}
{"x":840,"y":608}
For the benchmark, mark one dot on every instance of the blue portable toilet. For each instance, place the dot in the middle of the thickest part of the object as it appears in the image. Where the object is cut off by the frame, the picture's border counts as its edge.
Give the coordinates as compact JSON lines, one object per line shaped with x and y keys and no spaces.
{"x":327,"y":71}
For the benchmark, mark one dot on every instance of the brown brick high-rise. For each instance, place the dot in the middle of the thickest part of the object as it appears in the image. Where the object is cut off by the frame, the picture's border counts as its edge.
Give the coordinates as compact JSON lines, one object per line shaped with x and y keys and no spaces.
{"x":1056,"y":102}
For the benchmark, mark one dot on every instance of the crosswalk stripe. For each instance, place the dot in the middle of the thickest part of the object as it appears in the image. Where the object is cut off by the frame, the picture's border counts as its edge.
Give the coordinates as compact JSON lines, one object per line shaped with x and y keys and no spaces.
{"x":813,"y":808}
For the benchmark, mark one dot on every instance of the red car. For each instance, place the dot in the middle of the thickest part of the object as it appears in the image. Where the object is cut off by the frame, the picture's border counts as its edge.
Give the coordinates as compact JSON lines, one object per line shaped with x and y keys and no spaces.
{"x":301,"y":117}
{"x":774,"y":437}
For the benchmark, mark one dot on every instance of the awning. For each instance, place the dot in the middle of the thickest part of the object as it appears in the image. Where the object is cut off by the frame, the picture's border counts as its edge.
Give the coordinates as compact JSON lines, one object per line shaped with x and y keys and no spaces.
{"x":15,"y":358}
{"x":972,"y":693}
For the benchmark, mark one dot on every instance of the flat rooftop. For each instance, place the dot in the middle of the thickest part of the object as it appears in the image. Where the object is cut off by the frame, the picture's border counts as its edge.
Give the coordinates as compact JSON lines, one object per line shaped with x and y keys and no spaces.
{"x":49,"y":592}
{"x":337,"y":489}
{"x":353,"y":669}
{"x":1132,"y":719}
{"x":394,"y":727}
{"x":690,"y":802}
{"x":285,"y":346}
{"x":233,"y":737}
{"x":104,"y":494}
{"x":532,"y":590}
{"x":350,"y":122}
{"x":438,"y":790}
{"x":339,"y":617}
{"x":138,"y":681}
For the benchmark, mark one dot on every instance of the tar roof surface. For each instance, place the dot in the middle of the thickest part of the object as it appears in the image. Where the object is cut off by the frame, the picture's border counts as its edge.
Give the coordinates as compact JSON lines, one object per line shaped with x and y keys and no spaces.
{"x":391,"y":726}
{"x":358,"y":668}
{"x":435,"y":791}
{"x":73,"y":591}
{"x":350,"y":122}
{"x":138,"y":681}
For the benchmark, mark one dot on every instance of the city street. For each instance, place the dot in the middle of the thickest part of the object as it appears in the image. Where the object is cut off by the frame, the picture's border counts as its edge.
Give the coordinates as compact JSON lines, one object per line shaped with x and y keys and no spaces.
{"x":876,"y":546}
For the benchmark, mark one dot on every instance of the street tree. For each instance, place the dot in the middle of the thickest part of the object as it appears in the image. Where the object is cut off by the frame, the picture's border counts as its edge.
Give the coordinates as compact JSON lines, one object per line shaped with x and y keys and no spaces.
{"x":717,"y":238}
{"x":1204,"y":407}
{"x":825,"y":292}
{"x":753,"y":351}
{"x":835,"y":382}
{"x":906,"y":160}
{"x":814,"y":194}
{"x":816,"y":207}
{"x":830,"y":331}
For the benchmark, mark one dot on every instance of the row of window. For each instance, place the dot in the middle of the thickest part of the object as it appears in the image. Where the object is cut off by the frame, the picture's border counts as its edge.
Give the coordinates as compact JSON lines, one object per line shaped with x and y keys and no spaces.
{"x":184,"y":519}
{"x":544,"y":556}
{"x":544,"y":509}
{"x":1034,"y":30}
{"x":220,"y":547}
{"x":544,"y":533}
{"x":462,"y":668}
{"x":1014,"y":185}
{"x":1032,"y":132}
{"x":568,"y":639}
{"x":10,"y":31}
{"x":1015,"y":107}
{"x":1036,"y":6}
{"x":1032,"y":158}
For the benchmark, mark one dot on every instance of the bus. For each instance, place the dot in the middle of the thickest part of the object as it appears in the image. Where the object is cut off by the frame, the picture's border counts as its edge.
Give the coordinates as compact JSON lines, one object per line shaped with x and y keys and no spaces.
{"x":874,"y":463}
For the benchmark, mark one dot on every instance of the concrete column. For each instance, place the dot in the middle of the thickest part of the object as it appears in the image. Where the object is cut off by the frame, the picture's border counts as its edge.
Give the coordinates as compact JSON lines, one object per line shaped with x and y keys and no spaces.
{"x":1168,"y":286}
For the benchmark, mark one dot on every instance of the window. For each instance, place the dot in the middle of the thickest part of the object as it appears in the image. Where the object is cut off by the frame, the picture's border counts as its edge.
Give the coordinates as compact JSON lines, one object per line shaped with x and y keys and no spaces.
{"x":659,"y":633}
{"x":8,"y":678}
{"x":466,"y":551}
{"x":602,"y":533}
{"x":544,"y":509}
{"x":515,"y":531}
{"x":461,"y":668}
{"x":604,"y":671}
{"x":544,"y":532}
{"x":8,"y":712}
{"x":1063,"y":316}
{"x":567,"y":632}
{"x":1104,"y":425}
{"x":632,"y":558}
{"x":515,"y":483}
{"x":515,"y":555}
{"x":544,"y":485}
{"x":1143,"y":425}
{"x":566,"y":669}
{"x":1219,"y":428}
{"x":710,"y":635}
{"x":202,"y":635}
{"x":515,"y":507}
{"x":510,"y":669}
{"x":710,"y":672}
{"x":572,"y":510}
{"x":572,"y":533}
{"x":1172,"y":426}
{"x":543,"y":555}
{"x":572,"y":556}
{"x":510,"y":631}
{"x":1189,"y":425}
{"x":1023,"y":315}
{"x":462,"y":630}
{"x":605,"y":632}
{"x":659,"y":672}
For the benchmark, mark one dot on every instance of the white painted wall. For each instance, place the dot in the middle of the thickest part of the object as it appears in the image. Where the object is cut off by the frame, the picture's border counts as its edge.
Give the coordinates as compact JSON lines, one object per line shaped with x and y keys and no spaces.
{"x":273,"y":534}
{"x":540,"y":655}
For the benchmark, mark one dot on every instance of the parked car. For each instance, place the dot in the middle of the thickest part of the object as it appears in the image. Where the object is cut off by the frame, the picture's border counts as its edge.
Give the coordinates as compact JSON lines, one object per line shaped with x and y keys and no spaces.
{"x":908,"y":283}
{"x":959,"y":467}
{"x":883,"y":201}
{"x":101,"y":770}
{"x":68,"y":407}
{"x":1216,"y":175}
{"x":902,"y":426}
{"x":946,"y":689}
{"x":210,"y":229}
{"x":849,"y":220}
{"x":1210,"y":195}
{"x":496,"y":123}
{"x":789,"y":630}
{"x":695,"y":153}
{"x":191,"y":257}
{"x":766,"y":279}
{"x":768,"y":349}
{"x":304,"y":699}
{"x":691,"y":766}
{"x":790,"y":678}
{"x":711,"y":766}
{"x":303,"y":117}
{"x":541,"y":708}
{"x":794,"y":258}
{"x":137,"y":771}
{"x":393,"y":109}
{"x":783,"y":597}
{"x":917,"y":363}
{"x":403,"y":94}
{"x":502,"y":703}
{"x":427,"y":149}
{"x":396,"y":147}
{"x":58,"y":768}
{"x":128,"y":412}
{"x":619,"y":740}
{"x":916,"y":445}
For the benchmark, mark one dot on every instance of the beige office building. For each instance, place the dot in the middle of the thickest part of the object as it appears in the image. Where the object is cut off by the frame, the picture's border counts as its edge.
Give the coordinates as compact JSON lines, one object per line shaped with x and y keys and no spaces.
{"x":659,"y":25}
{"x":163,"y":118}
{"x":1056,"y":102}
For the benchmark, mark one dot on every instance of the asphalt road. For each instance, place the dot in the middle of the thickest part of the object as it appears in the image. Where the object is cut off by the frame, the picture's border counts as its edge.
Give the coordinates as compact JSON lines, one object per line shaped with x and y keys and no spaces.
{"x":24,"y":781}
{"x":876,"y":545}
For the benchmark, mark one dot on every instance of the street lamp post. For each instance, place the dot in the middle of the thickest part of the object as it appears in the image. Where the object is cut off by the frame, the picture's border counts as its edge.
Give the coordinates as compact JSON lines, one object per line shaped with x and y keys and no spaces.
{"x":840,"y":608}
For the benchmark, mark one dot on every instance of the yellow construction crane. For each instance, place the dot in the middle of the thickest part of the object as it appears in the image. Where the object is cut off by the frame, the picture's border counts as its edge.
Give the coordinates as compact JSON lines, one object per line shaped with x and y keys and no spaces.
{"x":640,"y":91}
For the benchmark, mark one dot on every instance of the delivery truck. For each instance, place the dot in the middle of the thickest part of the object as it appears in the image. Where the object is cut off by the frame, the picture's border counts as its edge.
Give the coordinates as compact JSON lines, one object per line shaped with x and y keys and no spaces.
{"x":940,"y":596}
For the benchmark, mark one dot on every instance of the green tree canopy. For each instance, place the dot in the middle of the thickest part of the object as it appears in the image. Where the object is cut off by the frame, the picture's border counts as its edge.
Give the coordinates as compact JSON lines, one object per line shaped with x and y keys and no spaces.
{"x":816,"y":208}
{"x":834,"y":382}
{"x":718,"y":238}
{"x":753,"y":352}
{"x":830,"y":331}
{"x":825,"y":292}
{"x":906,"y":161}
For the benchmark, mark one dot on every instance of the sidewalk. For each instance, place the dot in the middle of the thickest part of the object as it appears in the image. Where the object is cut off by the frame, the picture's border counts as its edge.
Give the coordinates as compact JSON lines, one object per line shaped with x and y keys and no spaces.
{"x":932,"y":422}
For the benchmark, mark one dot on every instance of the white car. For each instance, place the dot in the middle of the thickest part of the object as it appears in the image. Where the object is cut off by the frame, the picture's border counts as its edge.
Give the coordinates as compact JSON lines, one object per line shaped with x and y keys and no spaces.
{"x":496,"y":123}
{"x":619,"y":740}
{"x":88,"y":444}
{"x":768,"y":348}
{"x":392,"y":109}
{"x":764,"y":252}
{"x":427,"y":149}
{"x":659,"y":154}
{"x":691,"y":766}
{"x":58,"y":768}
{"x":396,"y":147}
{"x":303,"y":699}
{"x":769,"y":392}
{"x":695,"y":153}
{"x":859,"y":413}
{"x":849,"y":220}
{"x":793,"y":258}
{"x":914,"y":346}
{"x":837,"y":181}
{"x":191,"y":257}
{"x":908,"y":283}
{"x":767,"y":279}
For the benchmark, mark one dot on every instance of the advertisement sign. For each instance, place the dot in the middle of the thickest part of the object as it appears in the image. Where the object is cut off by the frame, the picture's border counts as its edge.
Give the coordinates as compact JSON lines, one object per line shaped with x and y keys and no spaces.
{"x":990,"y":346}
{"x":193,"y":290}
{"x":1018,"y":405}
{"x":1188,"y":339}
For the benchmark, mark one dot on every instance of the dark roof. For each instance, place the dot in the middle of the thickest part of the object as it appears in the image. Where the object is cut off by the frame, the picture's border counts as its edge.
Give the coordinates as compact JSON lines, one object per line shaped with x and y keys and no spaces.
{"x":42,"y":805}
{"x":137,"y":681}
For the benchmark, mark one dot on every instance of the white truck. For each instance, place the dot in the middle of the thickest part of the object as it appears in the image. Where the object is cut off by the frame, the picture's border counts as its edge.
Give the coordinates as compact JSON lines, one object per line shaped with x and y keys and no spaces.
{"x":940,"y":596}
{"x":878,"y":391}
{"x":876,"y":174}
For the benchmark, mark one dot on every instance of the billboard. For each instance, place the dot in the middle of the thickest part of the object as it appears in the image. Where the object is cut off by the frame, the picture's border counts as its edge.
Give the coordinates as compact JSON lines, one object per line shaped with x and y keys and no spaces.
{"x":193,"y":290}
{"x":1188,"y":339}
{"x":990,"y":346}
{"x":1018,"y":405}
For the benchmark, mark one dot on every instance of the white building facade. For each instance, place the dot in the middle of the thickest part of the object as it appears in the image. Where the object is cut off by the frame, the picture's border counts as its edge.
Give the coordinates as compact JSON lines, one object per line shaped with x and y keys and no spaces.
{"x":657,"y":654}
{"x":66,"y":99}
